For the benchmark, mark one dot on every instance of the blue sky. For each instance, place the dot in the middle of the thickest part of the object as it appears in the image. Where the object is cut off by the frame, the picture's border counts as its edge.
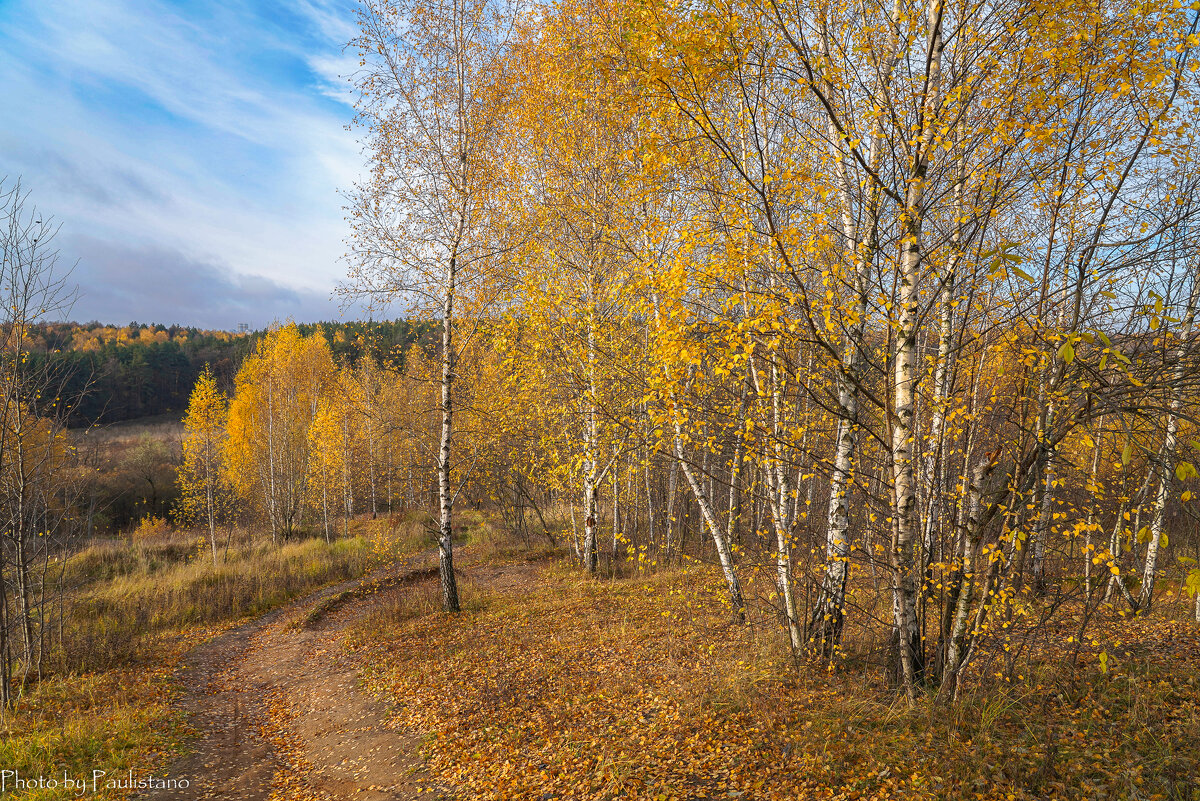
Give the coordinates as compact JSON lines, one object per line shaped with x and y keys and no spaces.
{"x":192,"y":151}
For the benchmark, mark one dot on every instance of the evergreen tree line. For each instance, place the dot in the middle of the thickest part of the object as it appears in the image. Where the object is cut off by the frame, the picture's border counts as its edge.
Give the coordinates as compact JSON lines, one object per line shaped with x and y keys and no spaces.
{"x":117,"y":374}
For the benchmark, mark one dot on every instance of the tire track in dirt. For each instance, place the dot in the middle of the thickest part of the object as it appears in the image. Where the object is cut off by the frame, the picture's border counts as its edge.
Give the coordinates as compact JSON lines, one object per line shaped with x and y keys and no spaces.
{"x":278,"y":709}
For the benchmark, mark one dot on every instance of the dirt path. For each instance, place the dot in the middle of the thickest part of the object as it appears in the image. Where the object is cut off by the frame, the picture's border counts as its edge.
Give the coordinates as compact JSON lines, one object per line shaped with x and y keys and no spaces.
{"x":277,"y":707}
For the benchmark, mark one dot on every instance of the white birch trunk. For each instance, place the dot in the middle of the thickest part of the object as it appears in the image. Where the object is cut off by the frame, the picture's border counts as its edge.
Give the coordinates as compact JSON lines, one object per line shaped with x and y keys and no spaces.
{"x":779,"y":497}
{"x":445,"y":491}
{"x":724,"y":553}
{"x":590,"y":513}
{"x":1167,"y":455}
{"x":904,"y":509}
{"x":932,"y":473}
{"x":825,"y":623}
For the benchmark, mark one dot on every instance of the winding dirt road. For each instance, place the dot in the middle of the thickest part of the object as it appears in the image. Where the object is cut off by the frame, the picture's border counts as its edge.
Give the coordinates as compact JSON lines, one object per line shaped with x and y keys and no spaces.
{"x":277,"y":707}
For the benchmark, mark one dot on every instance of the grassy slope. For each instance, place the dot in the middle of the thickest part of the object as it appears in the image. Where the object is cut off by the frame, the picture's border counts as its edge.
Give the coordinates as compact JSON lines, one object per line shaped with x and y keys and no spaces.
{"x":638,"y":688}
{"x":137,"y":608}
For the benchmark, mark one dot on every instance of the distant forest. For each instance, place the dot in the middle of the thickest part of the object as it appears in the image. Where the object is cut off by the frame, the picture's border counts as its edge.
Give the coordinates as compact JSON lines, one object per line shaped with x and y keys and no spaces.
{"x":115,"y":373}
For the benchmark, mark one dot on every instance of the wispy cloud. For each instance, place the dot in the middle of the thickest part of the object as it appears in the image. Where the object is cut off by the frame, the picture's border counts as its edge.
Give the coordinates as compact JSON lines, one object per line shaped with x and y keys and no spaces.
{"x":211,"y":131}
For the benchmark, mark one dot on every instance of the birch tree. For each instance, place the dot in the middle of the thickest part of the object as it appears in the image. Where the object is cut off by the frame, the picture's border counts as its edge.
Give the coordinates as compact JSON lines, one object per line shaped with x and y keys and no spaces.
{"x":203,"y":486}
{"x":34,"y":456}
{"x":1167,"y":456}
{"x":428,"y":104}
{"x":277,"y":394}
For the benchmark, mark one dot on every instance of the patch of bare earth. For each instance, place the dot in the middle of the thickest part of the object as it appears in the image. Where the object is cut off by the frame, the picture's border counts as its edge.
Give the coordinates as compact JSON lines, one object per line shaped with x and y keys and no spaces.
{"x":278,"y":711}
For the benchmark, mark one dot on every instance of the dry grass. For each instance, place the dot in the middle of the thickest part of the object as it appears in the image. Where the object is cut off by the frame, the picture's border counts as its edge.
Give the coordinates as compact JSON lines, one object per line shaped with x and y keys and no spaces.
{"x":139,"y":591}
{"x":166,"y":427}
{"x":493,"y":544}
{"x":112,"y":721}
{"x":134,"y":607}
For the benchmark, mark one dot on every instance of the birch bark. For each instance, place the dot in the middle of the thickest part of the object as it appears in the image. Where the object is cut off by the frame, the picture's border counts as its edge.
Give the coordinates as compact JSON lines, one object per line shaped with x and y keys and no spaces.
{"x":1166,"y":462}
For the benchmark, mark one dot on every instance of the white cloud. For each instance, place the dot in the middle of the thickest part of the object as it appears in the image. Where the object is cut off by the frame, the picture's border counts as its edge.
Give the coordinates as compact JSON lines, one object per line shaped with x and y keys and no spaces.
{"x":334,"y":20}
{"x":334,"y":71}
{"x":203,"y":137}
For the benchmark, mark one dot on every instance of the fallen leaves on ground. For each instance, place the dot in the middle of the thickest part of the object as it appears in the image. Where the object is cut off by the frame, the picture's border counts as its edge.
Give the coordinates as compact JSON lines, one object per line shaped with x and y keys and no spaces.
{"x":564,"y":688}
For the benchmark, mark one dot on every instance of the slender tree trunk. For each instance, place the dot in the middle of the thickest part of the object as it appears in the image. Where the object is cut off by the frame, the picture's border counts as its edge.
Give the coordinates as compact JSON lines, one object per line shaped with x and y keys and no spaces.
{"x":592,"y":476}
{"x":783,"y":578}
{"x":387,"y":476}
{"x":963,"y":583}
{"x":272,"y":494}
{"x":21,"y":532}
{"x":825,"y":625}
{"x":325,"y":505}
{"x":372,"y":459}
{"x":445,"y":490}
{"x":212,"y":517}
{"x":776,"y":473}
{"x":907,"y":530}
{"x":1166,"y":466}
{"x":861,"y":244}
{"x":591,"y":511}
{"x":933,"y":474}
{"x":724,"y":553}
{"x":904,"y":510}
{"x":6,"y":661}
{"x":1093,"y":495}
{"x":672,"y":481}
{"x":616,"y":517}
{"x":575,"y":534}
{"x":650,"y":530}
